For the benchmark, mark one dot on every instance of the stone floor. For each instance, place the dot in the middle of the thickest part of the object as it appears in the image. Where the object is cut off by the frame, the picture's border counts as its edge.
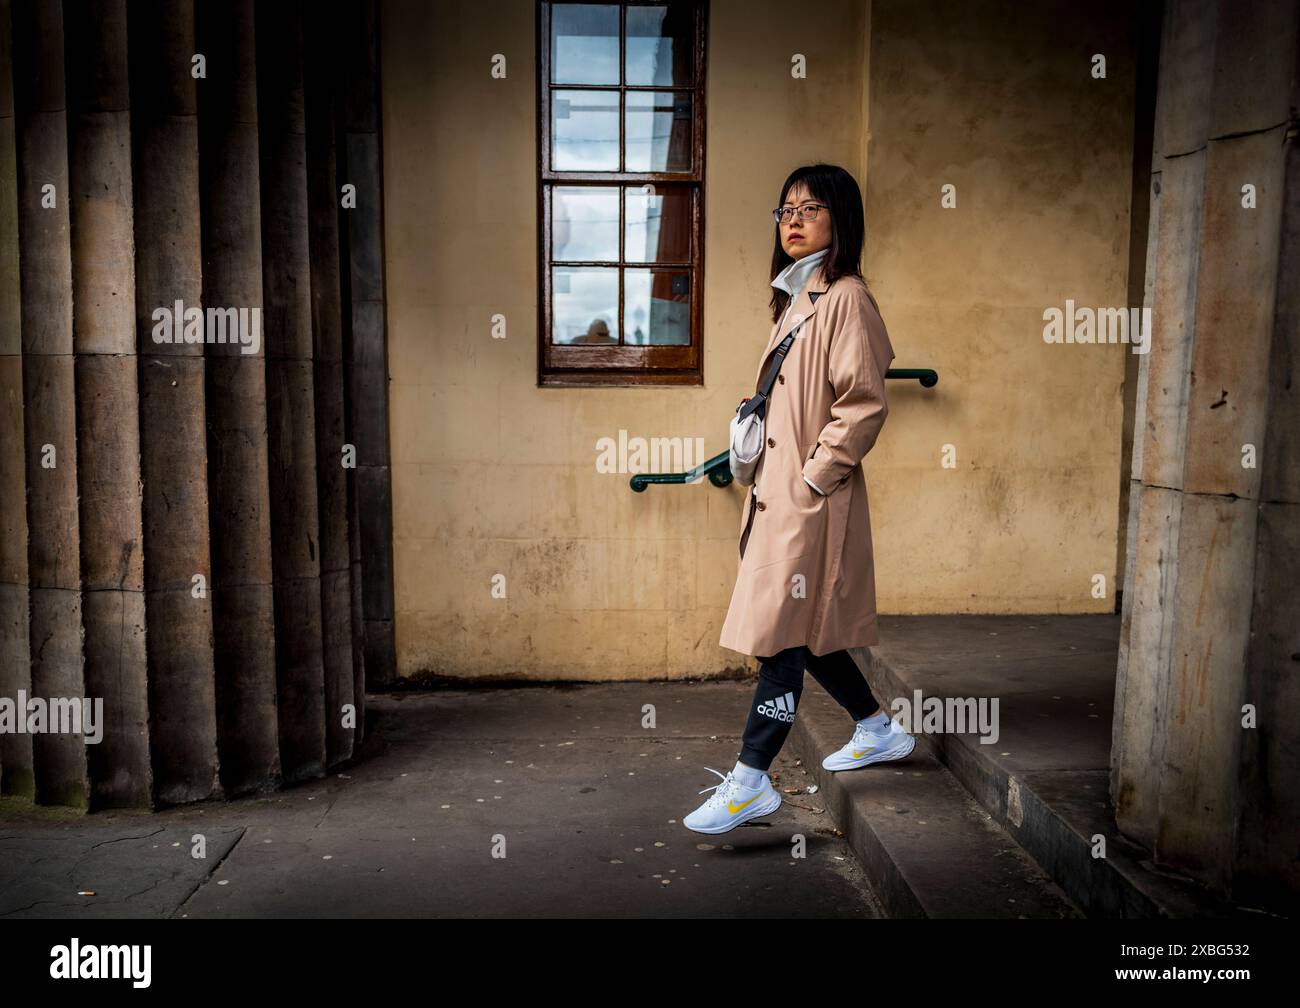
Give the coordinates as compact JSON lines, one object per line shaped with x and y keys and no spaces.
{"x":585,"y":803}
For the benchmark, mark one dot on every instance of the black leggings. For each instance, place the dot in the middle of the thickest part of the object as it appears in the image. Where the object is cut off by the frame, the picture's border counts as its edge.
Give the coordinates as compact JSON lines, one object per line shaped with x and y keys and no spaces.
{"x":780,"y":684}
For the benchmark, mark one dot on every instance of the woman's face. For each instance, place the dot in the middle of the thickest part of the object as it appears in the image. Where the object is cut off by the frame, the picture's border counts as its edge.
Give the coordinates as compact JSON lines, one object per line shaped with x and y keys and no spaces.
{"x":800,"y":238}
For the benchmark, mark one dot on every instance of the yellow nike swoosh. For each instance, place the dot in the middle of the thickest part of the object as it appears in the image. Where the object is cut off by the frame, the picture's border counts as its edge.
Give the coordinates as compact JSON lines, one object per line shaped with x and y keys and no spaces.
{"x":859,"y":755}
{"x":733,"y":808}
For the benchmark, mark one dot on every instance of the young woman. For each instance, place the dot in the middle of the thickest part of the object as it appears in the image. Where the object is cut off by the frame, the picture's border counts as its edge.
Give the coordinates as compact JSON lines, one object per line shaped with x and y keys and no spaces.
{"x":806,"y":592}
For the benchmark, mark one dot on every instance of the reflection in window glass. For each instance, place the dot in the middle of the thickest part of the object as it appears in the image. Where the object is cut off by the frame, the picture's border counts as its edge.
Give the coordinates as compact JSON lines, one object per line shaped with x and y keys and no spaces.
{"x":584,"y":130}
{"x":658,"y":131}
{"x":584,"y":222}
{"x":584,"y":302}
{"x":658,"y":224}
{"x":658,"y":45}
{"x":584,"y":44}
{"x":657,"y":307}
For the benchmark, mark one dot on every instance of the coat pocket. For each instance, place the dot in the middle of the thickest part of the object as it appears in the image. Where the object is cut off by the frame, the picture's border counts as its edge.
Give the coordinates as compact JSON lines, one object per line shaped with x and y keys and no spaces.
{"x":791,"y":523}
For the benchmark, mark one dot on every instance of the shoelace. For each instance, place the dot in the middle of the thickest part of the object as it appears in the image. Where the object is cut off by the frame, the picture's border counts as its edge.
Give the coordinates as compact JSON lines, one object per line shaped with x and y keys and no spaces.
{"x":723,"y":786}
{"x":861,"y":734}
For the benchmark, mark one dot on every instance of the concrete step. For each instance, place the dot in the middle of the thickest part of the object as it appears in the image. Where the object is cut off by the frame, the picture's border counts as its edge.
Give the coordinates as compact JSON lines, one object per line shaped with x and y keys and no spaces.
{"x":1045,"y":782}
{"x":928,"y":848}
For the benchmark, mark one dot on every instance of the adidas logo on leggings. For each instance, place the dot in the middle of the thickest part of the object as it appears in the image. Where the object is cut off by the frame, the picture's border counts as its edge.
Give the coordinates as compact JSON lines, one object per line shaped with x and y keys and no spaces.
{"x":782,"y":708}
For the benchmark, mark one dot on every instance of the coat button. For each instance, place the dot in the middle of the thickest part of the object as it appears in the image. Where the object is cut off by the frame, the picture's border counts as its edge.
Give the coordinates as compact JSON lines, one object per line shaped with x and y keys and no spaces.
{"x":781,"y":378}
{"x":761,"y":506}
{"x":771,"y":443}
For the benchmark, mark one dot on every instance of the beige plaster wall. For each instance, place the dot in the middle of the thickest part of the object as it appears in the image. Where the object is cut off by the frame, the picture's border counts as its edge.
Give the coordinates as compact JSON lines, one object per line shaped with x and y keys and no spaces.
{"x":494,"y":476}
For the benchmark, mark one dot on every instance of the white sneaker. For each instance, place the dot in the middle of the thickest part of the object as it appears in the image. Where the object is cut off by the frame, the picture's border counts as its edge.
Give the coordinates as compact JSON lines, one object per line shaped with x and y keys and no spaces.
{"x":868,"y":747}
{"x":732,"y":804}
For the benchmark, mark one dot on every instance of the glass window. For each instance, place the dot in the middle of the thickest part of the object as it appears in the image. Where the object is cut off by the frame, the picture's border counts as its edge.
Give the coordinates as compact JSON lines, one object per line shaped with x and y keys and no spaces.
{"x":584,"y":44}
{"x":621,"y":190}
{"x":586,"y":305}
{"x":659,"y":131}
{"x":659,"y":46}
{"x":584,"y":130}
{"x":657,"y":306}
{"x":658,"y":224}
{"x":584,"y":223}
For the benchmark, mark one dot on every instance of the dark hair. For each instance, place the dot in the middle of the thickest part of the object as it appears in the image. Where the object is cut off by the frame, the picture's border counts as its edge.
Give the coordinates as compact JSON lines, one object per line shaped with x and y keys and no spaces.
{"x":835,"y":187}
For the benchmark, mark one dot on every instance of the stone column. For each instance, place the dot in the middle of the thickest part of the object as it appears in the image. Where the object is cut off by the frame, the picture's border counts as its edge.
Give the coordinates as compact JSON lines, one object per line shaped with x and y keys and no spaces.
{"x":290,"y":407}
{"x":1267,"y":871}
{"x":321,"y":47}
{"x":173,"y":436}
{"x":49,"y":391}
{"x":368,"y":391}
{"x":1209,"y":630}
{"x":108,"y":433}
{"x":15,"y":663}
{"x":238,"y":483}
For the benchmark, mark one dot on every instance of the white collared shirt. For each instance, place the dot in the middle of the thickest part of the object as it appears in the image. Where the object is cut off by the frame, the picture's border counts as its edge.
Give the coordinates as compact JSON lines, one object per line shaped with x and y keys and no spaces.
{"x":795,"y":276}
{"x":792,"y":280}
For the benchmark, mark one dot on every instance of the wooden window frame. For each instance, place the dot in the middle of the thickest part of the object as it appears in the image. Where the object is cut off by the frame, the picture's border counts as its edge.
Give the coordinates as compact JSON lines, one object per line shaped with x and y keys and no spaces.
{"x":621,"y":364}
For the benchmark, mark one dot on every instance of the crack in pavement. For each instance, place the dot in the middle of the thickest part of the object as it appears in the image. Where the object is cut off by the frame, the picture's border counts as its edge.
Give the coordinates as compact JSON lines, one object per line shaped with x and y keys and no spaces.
{"x":243,"y":830}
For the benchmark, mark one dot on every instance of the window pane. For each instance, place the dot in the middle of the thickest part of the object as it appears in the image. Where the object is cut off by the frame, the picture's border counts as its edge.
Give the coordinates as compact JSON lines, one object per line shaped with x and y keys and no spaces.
{"x":658,"y":224}
{"x":584,"y":302}
{"x":658,"y":131}
{"x":659,"y":44}
{"x":657,"y":307}
{"x":584,"y":44}
{"x":584,"y":130}
{"x":584,"y":222}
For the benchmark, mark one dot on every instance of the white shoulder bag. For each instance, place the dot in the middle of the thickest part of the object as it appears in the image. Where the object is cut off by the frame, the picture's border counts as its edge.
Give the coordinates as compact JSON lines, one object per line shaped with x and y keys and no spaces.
{"x":747,"y":437}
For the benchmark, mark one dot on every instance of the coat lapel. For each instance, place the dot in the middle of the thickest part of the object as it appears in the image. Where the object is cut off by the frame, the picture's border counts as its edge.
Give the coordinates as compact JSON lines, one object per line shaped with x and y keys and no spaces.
{"x":805,"y":306}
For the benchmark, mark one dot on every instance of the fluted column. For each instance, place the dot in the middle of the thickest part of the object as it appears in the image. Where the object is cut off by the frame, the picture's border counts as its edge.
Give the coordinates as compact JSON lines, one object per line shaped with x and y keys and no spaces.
{"x":49,"y":391}
{"x":368,"y":346}
{"x":321,"y":48}
{"x":238,"y":482}
{"x":173,"y":436}
{"x":15,"y":663}
{"x":108,"y":433}
{"x":290,"y":395}
{"x":183,"y":539}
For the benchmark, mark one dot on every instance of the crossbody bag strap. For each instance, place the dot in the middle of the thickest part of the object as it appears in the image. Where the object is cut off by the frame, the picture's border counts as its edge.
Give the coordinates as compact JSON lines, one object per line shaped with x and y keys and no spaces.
{"x":759,"y":402}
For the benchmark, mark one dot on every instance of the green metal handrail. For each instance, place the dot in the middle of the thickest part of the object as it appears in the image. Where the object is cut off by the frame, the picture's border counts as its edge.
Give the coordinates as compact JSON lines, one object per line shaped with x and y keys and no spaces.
{"x":718,"y":468}
{"x":928,"y":377}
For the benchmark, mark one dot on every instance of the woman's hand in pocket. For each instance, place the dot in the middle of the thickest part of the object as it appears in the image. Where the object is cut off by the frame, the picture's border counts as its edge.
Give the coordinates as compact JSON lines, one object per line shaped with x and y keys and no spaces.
{"x":810,"y":487}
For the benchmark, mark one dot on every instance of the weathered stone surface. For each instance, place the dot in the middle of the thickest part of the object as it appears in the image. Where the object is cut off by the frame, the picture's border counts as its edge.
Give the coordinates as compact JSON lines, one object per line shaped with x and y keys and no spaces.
{"x":1236,"y":284}
{"x":15,"y":674}
{"x":1184,"y":98}
{"x":59,"y":760}
{"x":1272,"y":688}
{"x":1201,"y":718}
{"x":120,"y":768}
{"x":1209,"y":628}
{"x":108,"y":472}
{"x":182,"y":697}
{"x":1254,"y":62}
{"x":1173,"y":317}
{"x":1139,"y":733}
{"x":242,"y":603}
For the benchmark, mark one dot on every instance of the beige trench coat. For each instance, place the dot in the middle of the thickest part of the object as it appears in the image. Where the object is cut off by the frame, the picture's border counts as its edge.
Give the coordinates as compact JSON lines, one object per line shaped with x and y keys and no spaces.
{"x":807,"y":574}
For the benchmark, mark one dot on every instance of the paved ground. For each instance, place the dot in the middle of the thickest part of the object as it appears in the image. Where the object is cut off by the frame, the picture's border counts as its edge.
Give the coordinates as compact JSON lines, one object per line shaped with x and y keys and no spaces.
{"x":586,"y":804}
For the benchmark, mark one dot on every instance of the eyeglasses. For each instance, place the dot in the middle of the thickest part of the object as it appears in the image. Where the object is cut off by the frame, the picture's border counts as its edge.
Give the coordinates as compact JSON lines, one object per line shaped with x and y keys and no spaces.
{"x":807,"y":212}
